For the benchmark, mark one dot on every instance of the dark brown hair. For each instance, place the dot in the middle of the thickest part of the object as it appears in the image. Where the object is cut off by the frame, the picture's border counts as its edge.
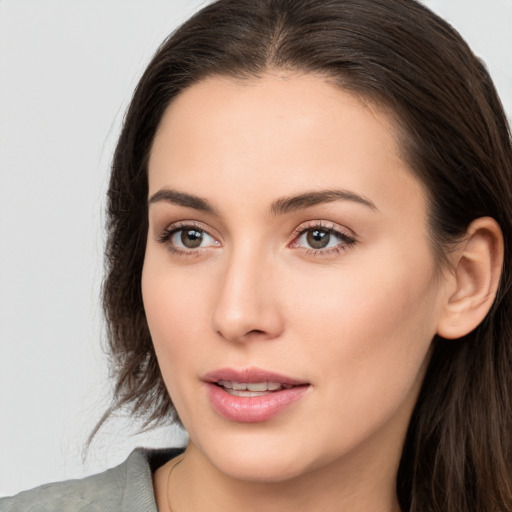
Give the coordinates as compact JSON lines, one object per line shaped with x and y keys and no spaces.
{"x":454,"y":136}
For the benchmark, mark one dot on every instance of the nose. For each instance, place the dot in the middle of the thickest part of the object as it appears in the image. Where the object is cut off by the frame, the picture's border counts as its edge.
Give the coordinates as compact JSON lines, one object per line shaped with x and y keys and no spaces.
{"x":247,"y":304}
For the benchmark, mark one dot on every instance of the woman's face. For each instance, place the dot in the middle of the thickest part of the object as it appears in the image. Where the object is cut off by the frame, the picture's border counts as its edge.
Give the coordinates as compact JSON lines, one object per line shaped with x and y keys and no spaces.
{"x":288,"y":244}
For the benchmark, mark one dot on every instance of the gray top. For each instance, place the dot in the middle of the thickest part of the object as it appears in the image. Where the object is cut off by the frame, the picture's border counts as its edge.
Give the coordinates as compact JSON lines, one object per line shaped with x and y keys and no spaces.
{"x":125,"y":488}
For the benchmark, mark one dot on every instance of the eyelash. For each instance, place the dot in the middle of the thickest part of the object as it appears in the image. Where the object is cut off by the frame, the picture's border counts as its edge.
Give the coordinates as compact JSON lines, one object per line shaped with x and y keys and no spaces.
{"x":346,"y":240}
{"x":166,"y":236}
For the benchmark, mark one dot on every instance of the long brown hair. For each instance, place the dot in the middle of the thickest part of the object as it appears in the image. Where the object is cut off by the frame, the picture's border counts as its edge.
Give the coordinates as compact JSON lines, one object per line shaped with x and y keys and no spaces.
{"x":454,"y":136}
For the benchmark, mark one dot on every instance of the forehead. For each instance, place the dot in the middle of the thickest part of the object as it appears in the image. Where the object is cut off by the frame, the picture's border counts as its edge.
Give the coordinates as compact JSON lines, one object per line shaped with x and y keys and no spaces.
{"x":276,"y":135}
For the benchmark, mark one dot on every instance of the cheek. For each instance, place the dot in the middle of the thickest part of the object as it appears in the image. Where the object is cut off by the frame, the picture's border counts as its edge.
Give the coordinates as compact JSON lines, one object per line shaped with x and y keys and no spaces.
{"x":173,"y":312}
{"x":365,"y":304}
{"x":370,"y":327}
{"x":169,"y":314}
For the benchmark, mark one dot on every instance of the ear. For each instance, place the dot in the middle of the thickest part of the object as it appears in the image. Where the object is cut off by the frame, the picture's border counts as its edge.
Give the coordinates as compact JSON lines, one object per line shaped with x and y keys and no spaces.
{"x":474,"y":282}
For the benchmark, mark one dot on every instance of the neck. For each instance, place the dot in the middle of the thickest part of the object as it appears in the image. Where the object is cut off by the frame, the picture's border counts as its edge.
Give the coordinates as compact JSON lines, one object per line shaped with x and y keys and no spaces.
{"x":344,"y":484}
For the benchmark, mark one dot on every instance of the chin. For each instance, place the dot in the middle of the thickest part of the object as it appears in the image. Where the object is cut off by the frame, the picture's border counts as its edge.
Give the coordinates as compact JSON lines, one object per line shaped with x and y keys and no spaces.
{"x":258,"y":458}
{"x":269,"y":469}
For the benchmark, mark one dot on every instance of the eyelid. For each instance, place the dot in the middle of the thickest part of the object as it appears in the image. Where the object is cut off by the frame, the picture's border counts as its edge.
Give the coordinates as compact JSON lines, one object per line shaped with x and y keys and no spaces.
{"x":347,"y":237}
{"x":164,"y":236}
{"x":324,"y":224}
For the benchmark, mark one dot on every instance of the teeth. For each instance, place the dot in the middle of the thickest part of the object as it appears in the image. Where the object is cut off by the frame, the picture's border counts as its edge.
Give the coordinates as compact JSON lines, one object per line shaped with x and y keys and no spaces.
{"x":253,"y":387}
{"x":235,"y":392}
{"x":257,"y":386}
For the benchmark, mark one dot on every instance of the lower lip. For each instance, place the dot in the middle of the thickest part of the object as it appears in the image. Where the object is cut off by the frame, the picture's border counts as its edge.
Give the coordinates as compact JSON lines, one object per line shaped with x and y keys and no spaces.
{"x":255,"y":409}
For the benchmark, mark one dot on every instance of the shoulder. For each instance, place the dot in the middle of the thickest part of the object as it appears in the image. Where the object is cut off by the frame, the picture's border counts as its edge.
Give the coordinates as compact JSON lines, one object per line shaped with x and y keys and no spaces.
{"x":124,"y":488}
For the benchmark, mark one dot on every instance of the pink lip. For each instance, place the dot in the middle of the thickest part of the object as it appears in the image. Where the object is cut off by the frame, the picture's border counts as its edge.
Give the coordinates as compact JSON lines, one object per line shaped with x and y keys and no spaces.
{"x":252,"y":409}
{"x":250,"y":375}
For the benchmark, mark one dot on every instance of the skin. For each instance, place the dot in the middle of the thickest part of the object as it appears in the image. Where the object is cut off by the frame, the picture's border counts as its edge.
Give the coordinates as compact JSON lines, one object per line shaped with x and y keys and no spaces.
{"x":355,"y":322}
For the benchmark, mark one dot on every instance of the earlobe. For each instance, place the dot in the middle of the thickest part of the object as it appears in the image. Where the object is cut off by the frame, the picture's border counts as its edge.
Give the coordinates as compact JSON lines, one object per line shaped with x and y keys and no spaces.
{"x":475,"y":279}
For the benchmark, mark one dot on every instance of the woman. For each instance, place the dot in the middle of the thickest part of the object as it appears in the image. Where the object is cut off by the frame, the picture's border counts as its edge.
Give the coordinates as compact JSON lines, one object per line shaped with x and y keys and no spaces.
{"x":309,"y":232}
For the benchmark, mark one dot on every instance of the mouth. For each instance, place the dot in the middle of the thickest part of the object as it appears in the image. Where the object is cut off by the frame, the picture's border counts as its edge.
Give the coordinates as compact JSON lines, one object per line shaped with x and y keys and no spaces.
{"x":251,"y":389}
{"x":251,"y":380}
{"x":252,"y":395}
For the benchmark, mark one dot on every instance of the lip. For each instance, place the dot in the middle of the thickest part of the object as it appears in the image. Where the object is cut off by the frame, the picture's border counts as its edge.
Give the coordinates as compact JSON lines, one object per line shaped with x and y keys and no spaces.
{"x":256,"y":409}
{"x":250,"y":375}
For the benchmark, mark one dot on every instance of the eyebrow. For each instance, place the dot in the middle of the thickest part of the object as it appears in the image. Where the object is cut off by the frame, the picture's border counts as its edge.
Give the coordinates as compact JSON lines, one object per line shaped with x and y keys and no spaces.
{"x":308,"y":199}
{"x":279,"y":207}
{"x":182,"y":199}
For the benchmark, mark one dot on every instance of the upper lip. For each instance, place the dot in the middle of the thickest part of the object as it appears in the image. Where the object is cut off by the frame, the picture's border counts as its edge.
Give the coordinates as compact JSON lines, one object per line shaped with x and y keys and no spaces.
{"x":250,"y":375}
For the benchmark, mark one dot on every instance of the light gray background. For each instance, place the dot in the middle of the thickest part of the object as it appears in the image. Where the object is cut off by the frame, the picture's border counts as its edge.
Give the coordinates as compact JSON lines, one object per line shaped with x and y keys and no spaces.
{"x":67,"y":70}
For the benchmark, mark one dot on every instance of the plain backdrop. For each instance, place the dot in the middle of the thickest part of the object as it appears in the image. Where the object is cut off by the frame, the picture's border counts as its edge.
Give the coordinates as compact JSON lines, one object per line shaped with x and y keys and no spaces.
{"x":67,"y":71}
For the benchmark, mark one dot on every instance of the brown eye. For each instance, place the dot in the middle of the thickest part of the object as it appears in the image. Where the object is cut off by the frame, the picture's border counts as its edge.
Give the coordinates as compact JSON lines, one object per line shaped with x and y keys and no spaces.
{"x":323,"y":241}
{"x":188,"y":238}
{"x":191,"y":238}
{"x":318,"y":239}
